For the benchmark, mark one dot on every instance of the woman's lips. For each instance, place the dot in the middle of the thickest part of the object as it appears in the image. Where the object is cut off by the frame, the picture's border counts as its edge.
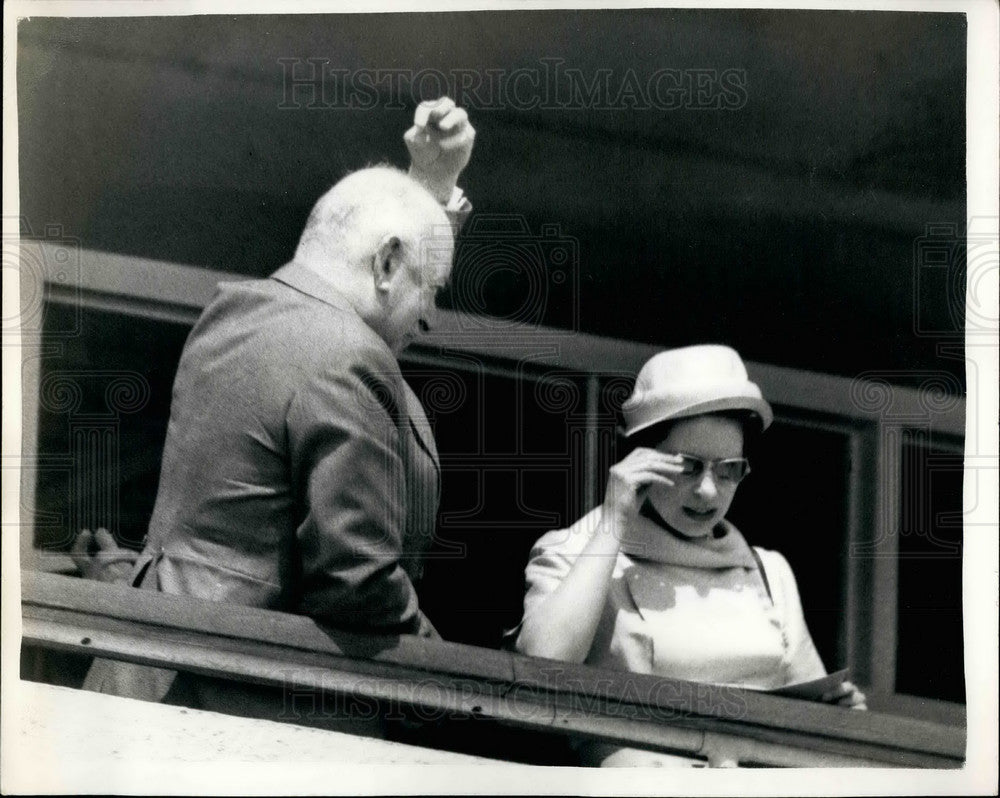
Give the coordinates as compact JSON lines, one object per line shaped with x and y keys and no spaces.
{"x":698,"y":515}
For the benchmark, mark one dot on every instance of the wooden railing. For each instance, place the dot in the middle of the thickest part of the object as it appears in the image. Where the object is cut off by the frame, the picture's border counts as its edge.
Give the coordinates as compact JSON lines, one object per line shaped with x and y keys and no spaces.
{"x":295,"y":655}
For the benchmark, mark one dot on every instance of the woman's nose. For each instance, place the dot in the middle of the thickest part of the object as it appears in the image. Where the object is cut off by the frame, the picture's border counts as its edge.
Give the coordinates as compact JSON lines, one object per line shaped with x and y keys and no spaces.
{"x":706,"y":486}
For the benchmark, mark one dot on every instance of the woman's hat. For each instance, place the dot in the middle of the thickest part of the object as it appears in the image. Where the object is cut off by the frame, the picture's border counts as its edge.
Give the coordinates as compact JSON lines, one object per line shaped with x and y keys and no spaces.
{"x":691,"y":381}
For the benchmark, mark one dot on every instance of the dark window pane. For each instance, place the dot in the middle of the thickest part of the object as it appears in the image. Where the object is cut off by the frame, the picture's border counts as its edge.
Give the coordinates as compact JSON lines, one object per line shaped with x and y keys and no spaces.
{"x":103,"y":410}
{"x":795,"y":501}
{"x":929,"y":656}
{"x":512,"y":467}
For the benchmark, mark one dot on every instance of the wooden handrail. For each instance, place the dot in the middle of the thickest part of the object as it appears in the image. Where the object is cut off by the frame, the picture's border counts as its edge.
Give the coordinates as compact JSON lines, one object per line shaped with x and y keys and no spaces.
{"x":292,"y":651}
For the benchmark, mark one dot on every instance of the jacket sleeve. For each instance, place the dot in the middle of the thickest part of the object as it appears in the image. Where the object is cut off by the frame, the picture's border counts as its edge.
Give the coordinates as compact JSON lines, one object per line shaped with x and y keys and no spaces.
{"x":352,"y":500}
{"x":550,"y":561}
{"x":458,"y":210}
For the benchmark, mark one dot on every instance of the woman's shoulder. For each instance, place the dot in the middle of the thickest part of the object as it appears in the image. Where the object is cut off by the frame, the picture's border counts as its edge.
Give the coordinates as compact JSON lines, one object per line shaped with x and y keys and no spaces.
{"x":780,"y":575}
{"x":569,"y":540}
{"x":774,"y":561}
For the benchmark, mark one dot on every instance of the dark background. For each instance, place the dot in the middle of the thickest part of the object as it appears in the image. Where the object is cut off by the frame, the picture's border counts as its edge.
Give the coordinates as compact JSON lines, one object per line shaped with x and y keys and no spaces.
{"x":787,"y":227}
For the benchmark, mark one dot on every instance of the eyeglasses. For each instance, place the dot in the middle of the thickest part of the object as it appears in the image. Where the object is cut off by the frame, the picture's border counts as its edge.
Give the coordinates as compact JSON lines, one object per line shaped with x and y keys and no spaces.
{"x":729,"y":470}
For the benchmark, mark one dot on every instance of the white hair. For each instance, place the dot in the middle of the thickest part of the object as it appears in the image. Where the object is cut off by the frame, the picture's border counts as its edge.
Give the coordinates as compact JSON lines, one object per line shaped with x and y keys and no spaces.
{"x":347,"y":222}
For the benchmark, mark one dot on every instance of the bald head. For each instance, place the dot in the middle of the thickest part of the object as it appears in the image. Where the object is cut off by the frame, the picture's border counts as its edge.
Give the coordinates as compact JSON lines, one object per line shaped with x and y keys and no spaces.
{"x":348,"y":221}
{"x":384,"y":242}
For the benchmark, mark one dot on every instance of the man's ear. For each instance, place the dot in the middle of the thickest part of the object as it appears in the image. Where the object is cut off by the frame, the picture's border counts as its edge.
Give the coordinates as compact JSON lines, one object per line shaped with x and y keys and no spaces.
{"x":386,"y":262}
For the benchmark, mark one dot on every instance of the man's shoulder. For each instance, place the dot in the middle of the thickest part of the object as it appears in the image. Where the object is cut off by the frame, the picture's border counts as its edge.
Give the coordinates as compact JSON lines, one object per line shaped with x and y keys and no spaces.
{"x":284,"y":318}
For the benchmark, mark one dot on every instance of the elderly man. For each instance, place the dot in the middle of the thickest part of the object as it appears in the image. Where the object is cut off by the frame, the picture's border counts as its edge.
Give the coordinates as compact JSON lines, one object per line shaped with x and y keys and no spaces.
{"x":299,"y":472}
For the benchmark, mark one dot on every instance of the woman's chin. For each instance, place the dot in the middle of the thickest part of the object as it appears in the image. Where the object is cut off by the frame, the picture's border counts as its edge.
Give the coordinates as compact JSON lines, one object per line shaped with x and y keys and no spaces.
{"x":693,"y":524}
{"x":701,"y":533}
{"x":693,"y":530}
{"x":689,"y":523}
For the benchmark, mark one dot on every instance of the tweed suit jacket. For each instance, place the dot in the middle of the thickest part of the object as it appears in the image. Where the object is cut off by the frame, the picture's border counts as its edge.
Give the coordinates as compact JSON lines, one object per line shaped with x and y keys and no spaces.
{"x":299,"y":471}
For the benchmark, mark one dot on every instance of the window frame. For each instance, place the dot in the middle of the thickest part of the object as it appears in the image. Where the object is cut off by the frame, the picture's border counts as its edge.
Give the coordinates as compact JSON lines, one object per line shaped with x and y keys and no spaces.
{"x":171,"y":292}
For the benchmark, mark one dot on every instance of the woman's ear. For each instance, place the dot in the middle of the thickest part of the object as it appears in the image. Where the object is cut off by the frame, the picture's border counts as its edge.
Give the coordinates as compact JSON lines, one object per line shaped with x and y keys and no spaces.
{"x":386,"y":262}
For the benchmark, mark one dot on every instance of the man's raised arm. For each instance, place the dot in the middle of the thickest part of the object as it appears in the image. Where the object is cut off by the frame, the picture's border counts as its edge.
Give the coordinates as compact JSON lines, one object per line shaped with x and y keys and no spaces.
{"x":440,"y":145}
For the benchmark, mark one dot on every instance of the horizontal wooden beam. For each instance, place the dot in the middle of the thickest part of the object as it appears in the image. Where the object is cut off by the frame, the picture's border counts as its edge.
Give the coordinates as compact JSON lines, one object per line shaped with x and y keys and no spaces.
{"x":262,"y":646}
{"x":177,"y":293}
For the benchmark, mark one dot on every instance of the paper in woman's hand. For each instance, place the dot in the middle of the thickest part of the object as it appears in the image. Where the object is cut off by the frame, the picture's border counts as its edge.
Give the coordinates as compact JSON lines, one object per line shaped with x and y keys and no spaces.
{"x":814,"y":689}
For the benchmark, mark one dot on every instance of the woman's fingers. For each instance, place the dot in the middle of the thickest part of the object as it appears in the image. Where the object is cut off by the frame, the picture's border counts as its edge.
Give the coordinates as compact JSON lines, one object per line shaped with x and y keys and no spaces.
{"x":630,"y":478}
{"x":633,"y":476}
{"x":641,"y":474}
{"x":837,"y":693}
{"x":855,"y":699}
{"x":645,"y":478}
{"x":652,"y":459}
{"x":846,"y":694}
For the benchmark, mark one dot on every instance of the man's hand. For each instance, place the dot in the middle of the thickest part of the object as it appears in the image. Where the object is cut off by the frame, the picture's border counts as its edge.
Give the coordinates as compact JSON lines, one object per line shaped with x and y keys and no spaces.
{"x":98,"y":556}
{"x":440,"y":145}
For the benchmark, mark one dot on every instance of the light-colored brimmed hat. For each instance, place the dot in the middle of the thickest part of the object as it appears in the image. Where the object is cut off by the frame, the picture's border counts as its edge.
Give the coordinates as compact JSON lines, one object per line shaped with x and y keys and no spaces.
{"x":691,"y":381}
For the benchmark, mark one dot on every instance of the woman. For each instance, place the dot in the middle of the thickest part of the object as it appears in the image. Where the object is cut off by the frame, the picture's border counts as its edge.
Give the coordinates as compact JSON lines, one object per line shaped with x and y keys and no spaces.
{"x":656,"y":580}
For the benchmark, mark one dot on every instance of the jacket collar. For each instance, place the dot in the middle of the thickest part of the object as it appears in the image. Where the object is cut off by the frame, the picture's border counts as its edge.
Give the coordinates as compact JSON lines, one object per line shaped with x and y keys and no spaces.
{"x":304,"y":279}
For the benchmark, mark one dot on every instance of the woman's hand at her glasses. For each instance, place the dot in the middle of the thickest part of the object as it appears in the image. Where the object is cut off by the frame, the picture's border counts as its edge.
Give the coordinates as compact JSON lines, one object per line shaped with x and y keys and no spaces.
{"x":629,"y":479}
{"x":562,"y":626}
